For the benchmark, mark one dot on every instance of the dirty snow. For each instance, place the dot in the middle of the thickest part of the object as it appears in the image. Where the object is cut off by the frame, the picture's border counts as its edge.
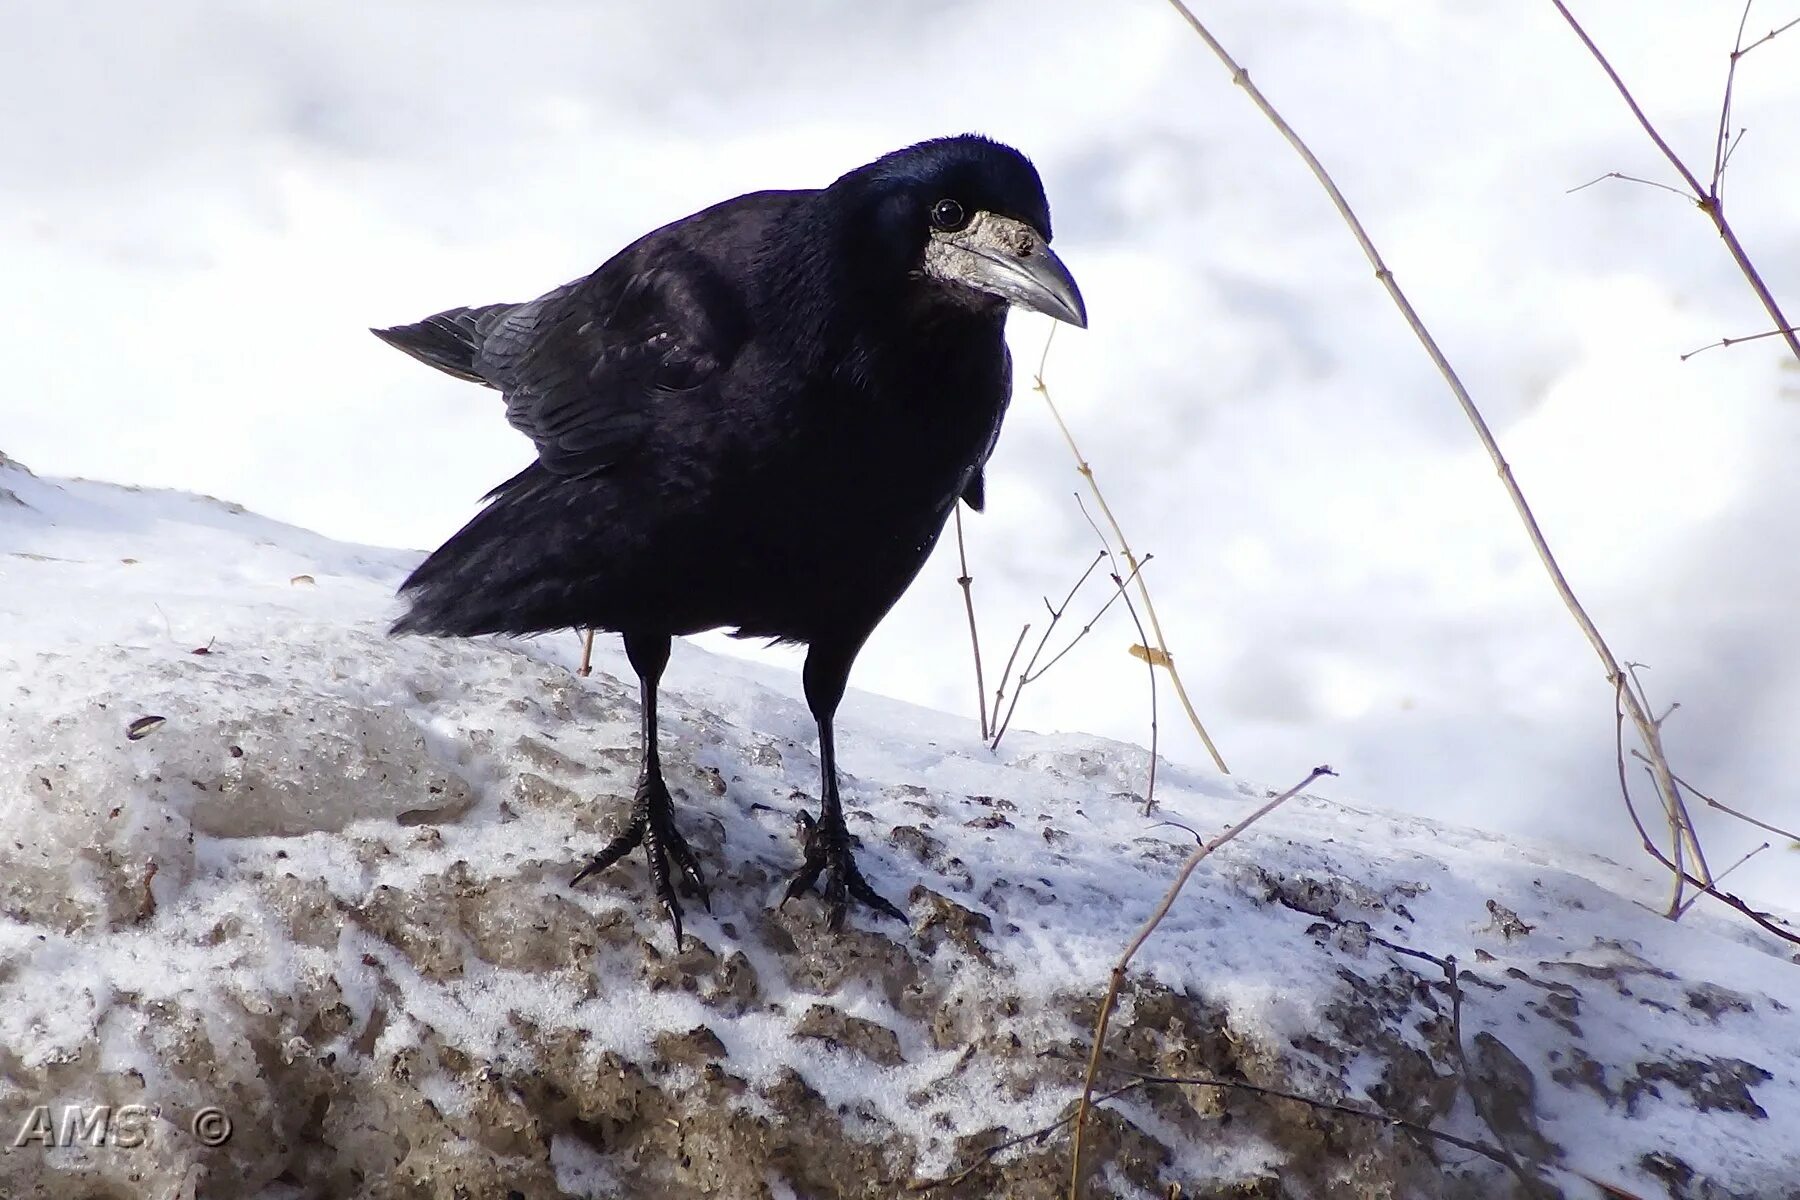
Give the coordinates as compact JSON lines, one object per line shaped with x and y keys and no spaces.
{"x":309,"y":764}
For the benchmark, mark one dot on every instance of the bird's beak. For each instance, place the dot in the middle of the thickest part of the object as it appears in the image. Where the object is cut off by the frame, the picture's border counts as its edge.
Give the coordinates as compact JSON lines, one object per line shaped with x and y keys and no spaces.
{"x":1011,"y":260}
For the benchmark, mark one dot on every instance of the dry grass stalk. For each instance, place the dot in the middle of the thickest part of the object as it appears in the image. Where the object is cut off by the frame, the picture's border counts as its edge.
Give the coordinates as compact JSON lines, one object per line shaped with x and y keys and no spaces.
{"x":1649,"y":732}
{"x":1111,"y":998}
{"x":1164,"y":658}
{"x":966,"y":582}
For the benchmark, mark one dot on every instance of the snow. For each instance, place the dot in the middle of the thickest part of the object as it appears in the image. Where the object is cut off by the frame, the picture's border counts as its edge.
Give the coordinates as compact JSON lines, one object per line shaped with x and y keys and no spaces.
{"x":134,"y":881}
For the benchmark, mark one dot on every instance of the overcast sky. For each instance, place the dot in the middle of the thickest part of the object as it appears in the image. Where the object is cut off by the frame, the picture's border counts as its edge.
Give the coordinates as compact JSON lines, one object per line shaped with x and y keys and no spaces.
{"x":206,"y":204}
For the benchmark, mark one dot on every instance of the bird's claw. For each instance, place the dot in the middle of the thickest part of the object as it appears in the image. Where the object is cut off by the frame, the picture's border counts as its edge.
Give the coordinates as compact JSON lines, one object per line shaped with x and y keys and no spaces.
{"x":828,"y":852}
{"x":652,"y":825}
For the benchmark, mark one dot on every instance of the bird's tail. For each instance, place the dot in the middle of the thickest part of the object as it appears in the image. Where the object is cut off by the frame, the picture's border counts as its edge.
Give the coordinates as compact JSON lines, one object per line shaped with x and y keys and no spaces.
{"x":450,"y":340}
{"x":517,"y":568}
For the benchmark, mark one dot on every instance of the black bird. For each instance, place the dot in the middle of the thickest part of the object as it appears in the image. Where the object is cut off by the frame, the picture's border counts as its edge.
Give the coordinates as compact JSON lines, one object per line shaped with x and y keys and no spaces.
{"x":758,"y":417}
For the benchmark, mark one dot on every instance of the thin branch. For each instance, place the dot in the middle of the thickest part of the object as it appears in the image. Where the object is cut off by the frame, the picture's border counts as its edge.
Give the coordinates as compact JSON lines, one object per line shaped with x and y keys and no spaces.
{"x":966,"y":581}
{"x":1647,"y":731}
{"x":1675,"y":811}
{"x":1760,"y":918}
{"x":1631,"y":103}
{"x":1729,"y":151}
{"x":1119,"y":586}
{"x":927,"y":1185}
{"x":1748,"y":855}
{"x":1006,"y":672}
{"x":1720,"y":153}
{"x":1087,"y":472}
{"x":1143,"y":935}
{"x":1142,"y":643}
{"x":1529,"y":1180}
{"x":1492,"y":1153}
{"x":587,"y":656}
{"x":1025,"y":675}
{"x":1628,"y":179}
{"x":1710,"y":201}
{"x":1150,"y":666}
{"x":1745,"y":817}
{"x":1732,"y":341}
{"x":1769,"y":36}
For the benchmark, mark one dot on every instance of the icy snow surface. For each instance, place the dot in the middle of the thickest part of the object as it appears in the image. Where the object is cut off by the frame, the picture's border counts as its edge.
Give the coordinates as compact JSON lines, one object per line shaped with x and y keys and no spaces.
{"x":313,"y":779}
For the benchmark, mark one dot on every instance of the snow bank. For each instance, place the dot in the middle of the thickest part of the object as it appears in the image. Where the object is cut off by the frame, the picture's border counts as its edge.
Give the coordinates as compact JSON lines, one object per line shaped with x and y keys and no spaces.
{"x":326,"y":893}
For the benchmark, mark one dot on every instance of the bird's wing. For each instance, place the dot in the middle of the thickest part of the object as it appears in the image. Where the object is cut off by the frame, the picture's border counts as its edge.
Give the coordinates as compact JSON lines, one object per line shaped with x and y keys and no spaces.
{"x":584,"y":368}
{"x":975,"y":491}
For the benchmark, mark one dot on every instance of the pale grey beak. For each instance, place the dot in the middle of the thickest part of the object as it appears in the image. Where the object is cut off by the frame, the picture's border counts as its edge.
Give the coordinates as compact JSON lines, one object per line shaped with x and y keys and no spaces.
{"x":1009,"y":259}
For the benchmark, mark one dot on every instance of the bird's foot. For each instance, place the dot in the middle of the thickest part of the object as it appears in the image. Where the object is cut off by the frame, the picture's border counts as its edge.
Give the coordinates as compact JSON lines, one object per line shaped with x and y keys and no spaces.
{"x":827,"y":850}
{"x":652,"y":825}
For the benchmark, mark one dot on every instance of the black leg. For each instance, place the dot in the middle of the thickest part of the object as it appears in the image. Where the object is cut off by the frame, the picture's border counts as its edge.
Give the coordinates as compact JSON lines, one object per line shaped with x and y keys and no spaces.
{"x":652,"y":823}
{"x":827,"y":841}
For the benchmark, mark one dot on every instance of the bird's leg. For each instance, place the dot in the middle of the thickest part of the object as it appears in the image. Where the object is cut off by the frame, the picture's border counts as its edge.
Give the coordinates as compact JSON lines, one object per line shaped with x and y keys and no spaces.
{"x":826,"y":842}
{"x":652,"y":822}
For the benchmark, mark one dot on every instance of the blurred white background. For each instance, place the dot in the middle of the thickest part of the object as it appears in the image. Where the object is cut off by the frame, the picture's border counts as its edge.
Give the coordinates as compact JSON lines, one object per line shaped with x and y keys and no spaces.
{"x":206,"y":203}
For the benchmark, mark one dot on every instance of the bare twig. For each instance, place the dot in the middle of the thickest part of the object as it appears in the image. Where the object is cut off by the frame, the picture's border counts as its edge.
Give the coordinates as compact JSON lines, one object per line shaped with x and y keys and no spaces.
{"x":1006,"y":672}
{"x":1503,"y":1154}
{"x":1150,"y":666}
{"x":1732,"y":341}
{"x":1710,"y":200}
{"x":966,"y":581}
{"x":1118,"y":592}
{"x":1528,"y":1179}
{"x":1731,"y":150}
{"x":1709,"y":887}
{"x":1143,"y":643}
{"x":1492,"y":1153}
{"x":1748,"y":855}
{"x":1025,"y":675}
{"x":1640,"y":718}
{"x":1720,"y":153}
{"x":1745,"y":817}
{"x":1167,"y":659}
{"x":1773,"y":33}
{"x":587,"y":656}
{"x":927,"y":1185}
{"x":1581,"y":187}
{"x":1111,"y":997}
{"x":1031,"y":672}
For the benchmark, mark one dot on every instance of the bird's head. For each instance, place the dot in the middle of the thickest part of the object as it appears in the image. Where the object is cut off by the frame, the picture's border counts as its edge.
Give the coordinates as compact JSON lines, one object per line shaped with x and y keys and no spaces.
{"x":966,"y":218}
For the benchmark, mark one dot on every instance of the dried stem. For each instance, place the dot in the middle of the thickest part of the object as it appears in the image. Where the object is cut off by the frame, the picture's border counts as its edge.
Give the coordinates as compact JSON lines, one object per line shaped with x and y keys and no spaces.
{"x":1708,"y":887}
{"x":1529,"y":1180}
{"x":1119,"y":586}
{"x":1032,"y":672}
{"x":1748,"y":855}
{"x":966,"y":581}
{"x":1709,"y":199}
{"x":1143,"y":644}
{"x":1582,"y":187}
{"x":1492,"y":1153}
{"x":1640,"y":718}
{"x":587,"y":656}
{"x":1111,"y":998}
{"x":1006,"y":672}
{"x":1150,"y":666}
{"x":1745,"y":817}
{"x":1732,"y":341}
{"x":1773,"y":33}
{"x":927,"y":1185}
{"x":1166,"y":659}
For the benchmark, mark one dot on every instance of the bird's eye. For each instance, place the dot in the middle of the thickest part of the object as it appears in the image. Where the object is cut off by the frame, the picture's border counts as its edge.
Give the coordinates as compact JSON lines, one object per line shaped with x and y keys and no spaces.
{"x":948,"y":216}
